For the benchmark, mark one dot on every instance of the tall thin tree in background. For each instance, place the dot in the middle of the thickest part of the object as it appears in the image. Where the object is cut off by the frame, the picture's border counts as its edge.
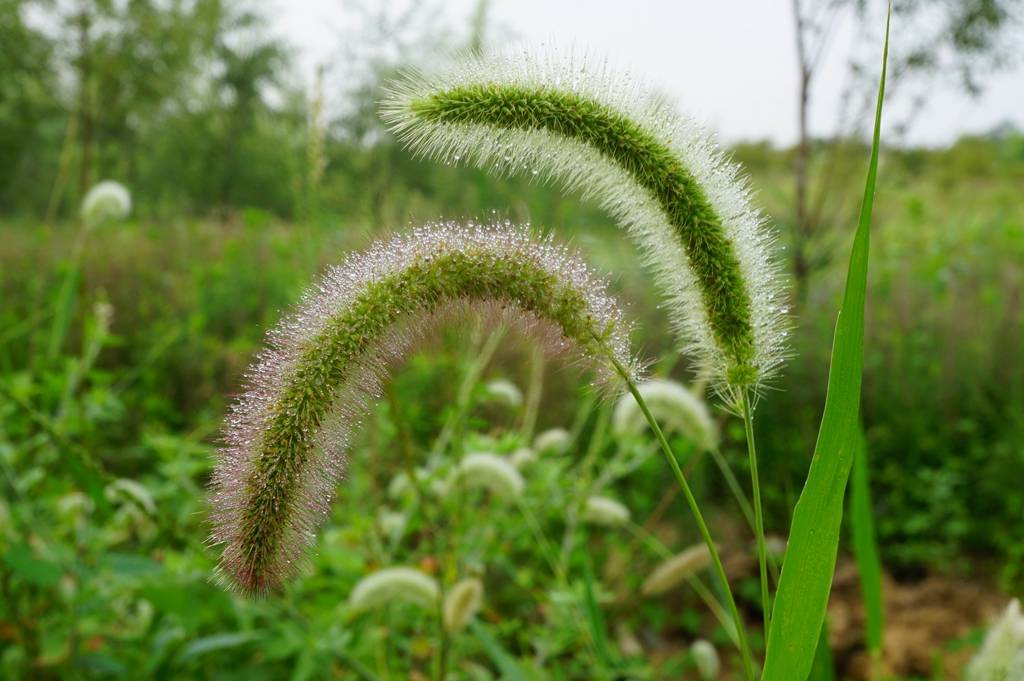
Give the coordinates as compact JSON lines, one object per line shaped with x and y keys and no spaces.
{"x":948,"y":43}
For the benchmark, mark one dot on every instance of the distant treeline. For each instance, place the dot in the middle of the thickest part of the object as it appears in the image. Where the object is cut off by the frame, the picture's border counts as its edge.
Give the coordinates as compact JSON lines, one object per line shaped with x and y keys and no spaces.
{"x":199,"y":110}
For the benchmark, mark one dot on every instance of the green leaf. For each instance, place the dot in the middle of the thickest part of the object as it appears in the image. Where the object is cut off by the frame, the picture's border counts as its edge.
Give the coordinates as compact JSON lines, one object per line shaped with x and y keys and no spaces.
{"x":865,"y":549}
{"x":506,"y":664}
{"x":131,"y":565}
{"x":595,"y":617}
{"x":806,"y":578}
{"x":24,"y":564}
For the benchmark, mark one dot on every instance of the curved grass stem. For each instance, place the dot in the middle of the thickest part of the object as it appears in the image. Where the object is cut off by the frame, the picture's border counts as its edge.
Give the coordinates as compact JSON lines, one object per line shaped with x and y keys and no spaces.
{"x":748,"y":422}
{"x":744,"y":646}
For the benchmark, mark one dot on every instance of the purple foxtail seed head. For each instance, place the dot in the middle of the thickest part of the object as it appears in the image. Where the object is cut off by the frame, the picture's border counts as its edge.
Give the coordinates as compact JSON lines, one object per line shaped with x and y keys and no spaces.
{"x":285,"y":438}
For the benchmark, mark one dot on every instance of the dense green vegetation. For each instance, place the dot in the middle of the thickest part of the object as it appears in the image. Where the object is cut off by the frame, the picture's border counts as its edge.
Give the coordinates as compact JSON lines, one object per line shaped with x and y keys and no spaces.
{"x":121,"y":346}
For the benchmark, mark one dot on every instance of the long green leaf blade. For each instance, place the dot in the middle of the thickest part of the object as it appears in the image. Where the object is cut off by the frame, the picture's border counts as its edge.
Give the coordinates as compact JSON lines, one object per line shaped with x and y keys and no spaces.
{"x":501,"y":658}
{"x":865,"y":549}
{"x":806,"y":578}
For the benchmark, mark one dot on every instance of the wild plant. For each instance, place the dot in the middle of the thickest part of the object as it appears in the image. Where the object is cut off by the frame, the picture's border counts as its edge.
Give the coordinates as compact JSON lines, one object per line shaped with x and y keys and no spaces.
{"x":285,"y":437}
{"x":571,"y":120}
{"x":403,"y":584}
{"x":462,"y":603}
{"x":687,"y":207}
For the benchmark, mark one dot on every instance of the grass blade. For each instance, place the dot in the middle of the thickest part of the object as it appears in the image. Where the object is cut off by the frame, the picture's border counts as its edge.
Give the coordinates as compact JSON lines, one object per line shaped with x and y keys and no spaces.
{"x":501,"y":658}
{"x":824,"y":667}
{"x":595,"y":617}
{"x":806,"y":578}
{"x":865,"y":549}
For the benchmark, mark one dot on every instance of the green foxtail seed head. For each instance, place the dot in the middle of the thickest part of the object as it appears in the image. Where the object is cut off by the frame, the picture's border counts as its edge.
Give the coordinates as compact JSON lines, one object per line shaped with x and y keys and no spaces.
{"x":601,"y":510}
{"x":568,"y":118}
{"x":1001,"y":657}
{"x":285,"y":438}
{"x":522,"y":457}
{"x":394,"y":584}
{"x":674,"y":406}
{"x":106,"y":202}
{"x":391,"y":522}
{"x":551,"y":441}
{"x":491,"y":472}
{"x":673,"y":571}
{"x":462,"y":603}
{"x":504,"y":392}
{"x":706,"y":658}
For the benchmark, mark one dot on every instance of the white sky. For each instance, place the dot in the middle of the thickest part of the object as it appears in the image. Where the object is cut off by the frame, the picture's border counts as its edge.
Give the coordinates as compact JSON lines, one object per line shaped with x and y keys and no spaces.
{"x":730,"y":63}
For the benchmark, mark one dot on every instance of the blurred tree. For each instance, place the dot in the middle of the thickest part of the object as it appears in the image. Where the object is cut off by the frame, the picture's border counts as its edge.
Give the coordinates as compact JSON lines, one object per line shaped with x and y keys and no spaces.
{"x":941,"y":40}
{"x":28,"y":105}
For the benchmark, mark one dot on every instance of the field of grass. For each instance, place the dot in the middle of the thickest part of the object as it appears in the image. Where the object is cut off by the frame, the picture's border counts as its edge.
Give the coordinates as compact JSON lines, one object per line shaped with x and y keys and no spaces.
{"x":117,"y":368}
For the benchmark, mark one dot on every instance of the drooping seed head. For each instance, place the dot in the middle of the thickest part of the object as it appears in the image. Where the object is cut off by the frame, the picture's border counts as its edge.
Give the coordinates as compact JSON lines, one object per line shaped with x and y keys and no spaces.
{"x":522,"y":457}
{"x":394,"y":584}
{"x":1001,"y":656}
{"x":285,"y":438}
{"x":602,"y":510}
{"x":674,"y":406}
{"x":105,"y":202}
{"x":494,"y":473}
{"x":570,"y":119}
{"x":391,"y":522}
{"x":551,"y":441}
{"x":462,"y":603}
{"x":673,"y":571}
{"x":505,"y":392}
{"x":706,"y":658}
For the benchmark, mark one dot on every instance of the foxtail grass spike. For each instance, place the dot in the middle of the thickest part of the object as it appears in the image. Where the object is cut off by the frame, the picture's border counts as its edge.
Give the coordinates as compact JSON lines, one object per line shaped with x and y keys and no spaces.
{"x":552,"y":441}
{"x":491,"y":472}
{"x":569,"y":118}
{"x":105,"y":202}
{"x":462,"y":603}
{"x":602,"y":510}
{"x":394,"y":584}
{"x":1001,"y":656}
{"x":673,"y":571}
{"x":285,"y":438}
{"x":674,"y":406}
{"x":706,"y":658}
{"x":504,"y":392}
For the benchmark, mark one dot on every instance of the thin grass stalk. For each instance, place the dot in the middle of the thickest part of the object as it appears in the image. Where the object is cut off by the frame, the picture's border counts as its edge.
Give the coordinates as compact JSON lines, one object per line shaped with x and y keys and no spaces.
{"x":744,"y":646}
{"x":534,"y":392}
{"x":469,"y":381}
{"x":755,"y":484}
